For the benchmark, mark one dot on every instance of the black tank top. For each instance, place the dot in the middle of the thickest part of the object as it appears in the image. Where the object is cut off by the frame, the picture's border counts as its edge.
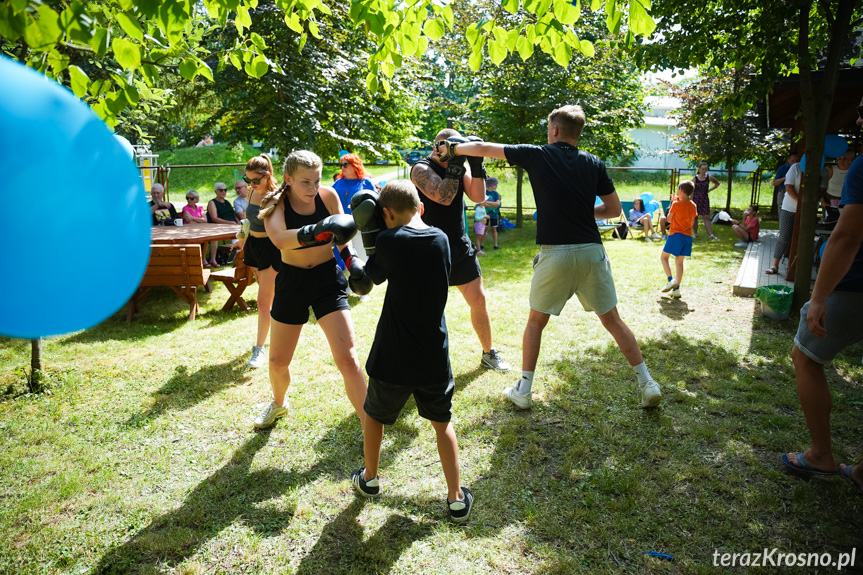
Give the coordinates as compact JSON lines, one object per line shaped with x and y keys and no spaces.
{"x":449,"y":218}
{"x":294,"y":221}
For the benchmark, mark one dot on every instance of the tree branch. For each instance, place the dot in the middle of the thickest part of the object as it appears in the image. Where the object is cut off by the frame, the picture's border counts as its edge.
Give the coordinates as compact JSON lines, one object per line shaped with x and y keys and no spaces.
{"x":827,"y":14}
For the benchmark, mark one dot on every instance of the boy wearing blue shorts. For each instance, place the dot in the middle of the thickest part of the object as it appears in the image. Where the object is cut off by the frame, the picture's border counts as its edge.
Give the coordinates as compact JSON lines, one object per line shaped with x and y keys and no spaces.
{"x":679,"y":243}
{"x":410,"y":353}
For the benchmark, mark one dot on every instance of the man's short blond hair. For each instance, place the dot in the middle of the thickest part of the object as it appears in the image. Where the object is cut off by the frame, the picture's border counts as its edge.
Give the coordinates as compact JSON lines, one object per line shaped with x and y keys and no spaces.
{"x":569,"y":119}
{"x":400,"y":196}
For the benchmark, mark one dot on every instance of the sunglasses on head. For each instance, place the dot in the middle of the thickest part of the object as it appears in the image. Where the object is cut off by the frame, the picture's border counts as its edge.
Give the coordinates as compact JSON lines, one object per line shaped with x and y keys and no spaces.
{"x":255,"y":181}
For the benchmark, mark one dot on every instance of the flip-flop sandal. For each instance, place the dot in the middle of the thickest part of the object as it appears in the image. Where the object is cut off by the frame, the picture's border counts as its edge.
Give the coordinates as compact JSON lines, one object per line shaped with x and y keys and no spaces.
{"x":802,"y":467}
{"x":845,"y":472}
{"x":772,"y":271}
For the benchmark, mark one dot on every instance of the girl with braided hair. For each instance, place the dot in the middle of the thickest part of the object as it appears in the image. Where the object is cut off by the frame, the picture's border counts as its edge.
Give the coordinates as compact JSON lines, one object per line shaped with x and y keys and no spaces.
{"x":304,"y":219}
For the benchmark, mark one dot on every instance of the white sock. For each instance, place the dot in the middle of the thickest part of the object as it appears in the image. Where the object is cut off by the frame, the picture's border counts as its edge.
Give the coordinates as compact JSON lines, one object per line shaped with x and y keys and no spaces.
{"x":642,"y":373}
{"x":523,"y":385}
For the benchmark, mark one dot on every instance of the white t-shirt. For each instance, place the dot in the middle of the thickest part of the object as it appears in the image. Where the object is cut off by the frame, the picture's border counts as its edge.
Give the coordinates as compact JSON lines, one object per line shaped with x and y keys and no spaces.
{"x":240,"y":204}
{"x":792,"y":178}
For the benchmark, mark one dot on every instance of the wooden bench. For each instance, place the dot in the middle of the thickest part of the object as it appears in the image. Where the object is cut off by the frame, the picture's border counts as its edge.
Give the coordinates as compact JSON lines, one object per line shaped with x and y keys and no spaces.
{"x":179,"y":267}
{"x":236,"y":279}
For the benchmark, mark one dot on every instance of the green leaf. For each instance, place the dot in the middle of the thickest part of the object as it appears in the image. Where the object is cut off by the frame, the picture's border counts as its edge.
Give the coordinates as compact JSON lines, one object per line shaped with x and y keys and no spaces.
{"x":79,"y":81}
{"x":204,"y":70}
{"x":386,"y":86}
{"x":510,"y":6}
{"x":497,"y":51}
{"x":371,"y":83}
{"x":292,"y":21}
{"x":595,"y":5}
{"x":258,"y":41}
{"x":530,"y":34}
{"x":612,"y":21}
{"x":115,"y":102}
{"x":303,"y":38}
{"x":188,"y":68}
{"x":11,"y":25}
{"x":448,"y":17}
{"x":565,"y":12}
{"x":422,"y":46}
{"x":99,"y":41}
{"x":127,"y":4}
{"x":235,"y":60}
{"x":640,"y":21}
{"x":542,"y":7}
{"x":562,"y":54}
{"x":33,"y":36}
{"x":434,"y":29}
{"x":130,"y":26}
{"x":132,"y":94}
{"x":242,"y":19}
{"x":587,"y":48}
{"x":49,"y":24}
{"x":257,"y":67}
{"x":475,"y":60}
{"x":511,"y":39}
{"x":99,"y":87}
{"x":472,"y":35}
{"x":499,"y":33}
{"x":524,"y":47}
{"x":19,"y":6}
{"x":127,"y":54}
{"x":313,"y":29}
{"x":58,"y":61}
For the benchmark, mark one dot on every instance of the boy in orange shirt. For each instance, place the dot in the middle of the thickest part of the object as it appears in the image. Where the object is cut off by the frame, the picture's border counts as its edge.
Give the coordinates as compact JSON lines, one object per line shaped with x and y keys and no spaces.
{"x":679,"y":244}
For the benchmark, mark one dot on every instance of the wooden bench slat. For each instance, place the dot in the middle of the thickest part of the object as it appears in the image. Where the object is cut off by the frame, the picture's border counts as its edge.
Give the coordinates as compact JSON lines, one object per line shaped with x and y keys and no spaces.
{"x":179,"y":267}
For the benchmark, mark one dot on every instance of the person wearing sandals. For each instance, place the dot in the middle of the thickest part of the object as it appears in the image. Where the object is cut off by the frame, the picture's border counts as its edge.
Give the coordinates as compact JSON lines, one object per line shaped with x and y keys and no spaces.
{"x":787,"y":212}
{"x":220,"y":211}
{"x":702,"y":181}
{"x":304,"y":219}
{"x":829,"y":322}
{"x":260,"y":254}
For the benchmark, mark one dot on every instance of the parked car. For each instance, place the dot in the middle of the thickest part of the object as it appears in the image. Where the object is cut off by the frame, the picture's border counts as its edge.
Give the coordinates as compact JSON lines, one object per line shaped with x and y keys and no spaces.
{"x":413,"y":157}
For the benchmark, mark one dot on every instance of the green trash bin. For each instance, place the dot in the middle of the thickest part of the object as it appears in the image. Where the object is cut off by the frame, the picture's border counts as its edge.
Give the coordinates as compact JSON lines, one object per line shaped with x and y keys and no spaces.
{"x":775,"y":300}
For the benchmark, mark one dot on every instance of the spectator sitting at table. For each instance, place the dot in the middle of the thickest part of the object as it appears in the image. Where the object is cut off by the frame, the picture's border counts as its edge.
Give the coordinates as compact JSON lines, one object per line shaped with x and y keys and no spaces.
{"x":162,"y":210}
{"x":836,"y":179}
{"x":192,"y":212}
{"x":242,"y":201}
{"x":638,"y":216}
{"x":219,"y":211}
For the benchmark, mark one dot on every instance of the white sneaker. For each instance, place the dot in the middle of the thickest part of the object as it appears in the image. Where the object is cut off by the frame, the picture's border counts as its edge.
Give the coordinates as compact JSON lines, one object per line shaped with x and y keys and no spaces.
{"x":675,"y":293}
{"x":741,"y":245}
{"x":365,"y":298}
{"x":258,"y":357}
{"x":271,"y":414}
{"x":494,"y":360}
{"x":650,"y":394}
{"x":664,"y":237}
{"x":648,"y":239}
{"x":670,"y":285}
{"x":656,"y":236}
{"x":694,"y":236}
{"x":520,"y":400}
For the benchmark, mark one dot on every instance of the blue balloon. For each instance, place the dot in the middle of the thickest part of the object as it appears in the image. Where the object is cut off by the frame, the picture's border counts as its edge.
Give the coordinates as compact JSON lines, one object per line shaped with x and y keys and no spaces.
{"x":803,"y":163}
{"x":382,"y":183}
{"x":835,"y":146}
{"x":652,"y":206}
{"x":92,"y":200}
{"x":646,"y":197}
{"x":534,"y":215}
{"x":598,"y":201}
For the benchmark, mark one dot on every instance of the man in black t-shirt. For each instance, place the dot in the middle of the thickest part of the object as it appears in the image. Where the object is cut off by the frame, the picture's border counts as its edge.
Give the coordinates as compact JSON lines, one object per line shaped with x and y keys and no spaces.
{"x":442,"y":187}
{"x":571,"y":260}
{"x":410,"y":354}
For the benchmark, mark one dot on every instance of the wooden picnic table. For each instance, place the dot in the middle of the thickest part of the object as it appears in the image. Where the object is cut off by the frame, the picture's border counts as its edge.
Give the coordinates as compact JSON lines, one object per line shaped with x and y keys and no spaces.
{"x":194,"y":234}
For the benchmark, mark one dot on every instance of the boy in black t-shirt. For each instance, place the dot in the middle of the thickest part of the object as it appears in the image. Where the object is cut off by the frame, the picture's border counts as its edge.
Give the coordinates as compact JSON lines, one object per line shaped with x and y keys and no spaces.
{"x":410,"y":354}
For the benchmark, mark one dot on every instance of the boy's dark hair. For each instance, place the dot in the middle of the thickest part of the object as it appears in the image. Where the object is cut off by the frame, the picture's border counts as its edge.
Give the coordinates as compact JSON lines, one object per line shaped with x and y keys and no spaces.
{"x":400,"y":196}
{"x":687,"y":186}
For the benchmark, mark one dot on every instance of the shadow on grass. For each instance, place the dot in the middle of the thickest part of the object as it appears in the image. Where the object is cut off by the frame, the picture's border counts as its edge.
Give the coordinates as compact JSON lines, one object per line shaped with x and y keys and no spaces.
{"x":673,"y":308}
{"x":341,"y":549}
{"x":184,"y":390}
{"x":229,"y":495}
{"x":589,"y":481}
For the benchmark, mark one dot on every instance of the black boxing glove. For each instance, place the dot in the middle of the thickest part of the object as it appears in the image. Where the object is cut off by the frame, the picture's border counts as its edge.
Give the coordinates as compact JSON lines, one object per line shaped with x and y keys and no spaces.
{"x":360,"y":283}
{"x":477,"y":168}
{"x":339,"y":228}
{"x":369,"y":218}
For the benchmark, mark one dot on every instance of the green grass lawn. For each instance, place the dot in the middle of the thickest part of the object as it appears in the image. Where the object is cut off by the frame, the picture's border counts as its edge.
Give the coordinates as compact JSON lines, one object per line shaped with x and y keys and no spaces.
{"x":142,"y":457}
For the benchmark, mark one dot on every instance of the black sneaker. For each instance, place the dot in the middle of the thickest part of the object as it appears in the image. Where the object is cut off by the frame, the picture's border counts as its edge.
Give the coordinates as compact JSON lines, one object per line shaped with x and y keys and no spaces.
{"x":370,"y":488}
{"x":459,"y":511}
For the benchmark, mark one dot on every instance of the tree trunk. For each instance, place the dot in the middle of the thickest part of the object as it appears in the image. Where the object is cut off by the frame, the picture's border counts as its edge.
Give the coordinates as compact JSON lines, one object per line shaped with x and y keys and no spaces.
{"x":37,"y":376}
{"x":519,"y":218}
{"x":815,"y":118}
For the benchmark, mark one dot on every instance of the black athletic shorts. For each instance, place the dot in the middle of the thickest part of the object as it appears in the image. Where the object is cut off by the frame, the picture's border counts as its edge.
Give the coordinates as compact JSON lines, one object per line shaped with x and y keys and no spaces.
{"x":384,"y":401}
{"x":465,"y":271}
{"x":260,"y":253}
{"x":493,"y":221}
{"x":323,"y":288}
